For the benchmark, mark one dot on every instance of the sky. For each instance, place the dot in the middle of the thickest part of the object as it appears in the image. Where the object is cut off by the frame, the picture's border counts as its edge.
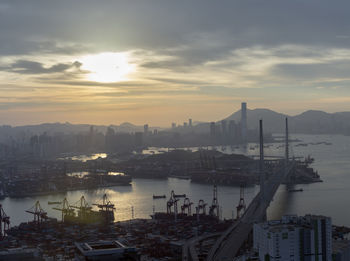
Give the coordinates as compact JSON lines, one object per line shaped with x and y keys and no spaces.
{"x":163,"y":61}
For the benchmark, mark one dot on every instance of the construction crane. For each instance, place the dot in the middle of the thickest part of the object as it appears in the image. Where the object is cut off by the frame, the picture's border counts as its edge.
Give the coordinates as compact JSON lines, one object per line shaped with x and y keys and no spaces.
{"x":172,"y":203}
{"x":106,"y":209}
{"x":214,"y":208}
{"x":4,"y":223}
{"x":67,"y":211}
{"x":187,"y":206}
{"x":38,"y":212}
{"x":241,"y":205}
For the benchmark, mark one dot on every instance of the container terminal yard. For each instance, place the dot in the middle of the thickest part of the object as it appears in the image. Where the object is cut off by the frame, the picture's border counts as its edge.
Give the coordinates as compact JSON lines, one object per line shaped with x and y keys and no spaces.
{"x":87,"y":234}
{"x":161,"y":237}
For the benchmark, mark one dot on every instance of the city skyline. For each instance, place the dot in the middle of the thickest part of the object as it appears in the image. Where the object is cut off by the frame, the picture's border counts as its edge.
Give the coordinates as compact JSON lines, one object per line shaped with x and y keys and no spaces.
{"x":161,"y":62}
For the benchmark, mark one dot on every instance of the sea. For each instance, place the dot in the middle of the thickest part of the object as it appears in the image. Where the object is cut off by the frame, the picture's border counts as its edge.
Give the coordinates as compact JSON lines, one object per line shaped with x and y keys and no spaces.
{"x":330,"y":197}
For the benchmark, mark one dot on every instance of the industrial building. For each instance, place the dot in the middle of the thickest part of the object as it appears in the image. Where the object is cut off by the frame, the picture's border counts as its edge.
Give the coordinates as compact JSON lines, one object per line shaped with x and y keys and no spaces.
{"x":294,"y":238}
{"x":106,"y":250}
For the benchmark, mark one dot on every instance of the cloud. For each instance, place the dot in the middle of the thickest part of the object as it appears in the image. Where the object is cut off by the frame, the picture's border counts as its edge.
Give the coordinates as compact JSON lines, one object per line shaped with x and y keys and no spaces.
{"x":154,"y":24}
{"x":32,"y":67}
{"x":185,"y":50}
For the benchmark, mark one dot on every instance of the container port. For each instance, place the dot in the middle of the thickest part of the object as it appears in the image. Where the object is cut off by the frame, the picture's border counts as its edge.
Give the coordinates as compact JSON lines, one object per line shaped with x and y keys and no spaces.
{"x":86,"y":232}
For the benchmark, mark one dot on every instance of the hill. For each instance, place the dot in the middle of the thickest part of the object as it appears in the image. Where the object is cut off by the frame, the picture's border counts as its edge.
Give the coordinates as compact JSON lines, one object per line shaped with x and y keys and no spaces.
{"x":309,"y":122}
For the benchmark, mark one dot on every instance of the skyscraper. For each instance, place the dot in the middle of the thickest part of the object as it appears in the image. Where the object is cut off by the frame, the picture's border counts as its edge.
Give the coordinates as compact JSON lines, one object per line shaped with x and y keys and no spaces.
{"x":145,"y":129}
{"x":190,"y":122}
{"x":212,"y":129}
{"x":224,"y":128}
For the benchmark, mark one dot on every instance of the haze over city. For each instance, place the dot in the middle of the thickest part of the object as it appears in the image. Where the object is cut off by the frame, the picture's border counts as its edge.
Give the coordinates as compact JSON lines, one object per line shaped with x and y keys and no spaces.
{"x":167,"y":130}
{"x":107,"y":62}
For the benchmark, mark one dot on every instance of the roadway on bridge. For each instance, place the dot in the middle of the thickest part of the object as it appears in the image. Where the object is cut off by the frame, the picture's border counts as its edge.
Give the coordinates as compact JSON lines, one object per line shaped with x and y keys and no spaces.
{"x":228,"y":245}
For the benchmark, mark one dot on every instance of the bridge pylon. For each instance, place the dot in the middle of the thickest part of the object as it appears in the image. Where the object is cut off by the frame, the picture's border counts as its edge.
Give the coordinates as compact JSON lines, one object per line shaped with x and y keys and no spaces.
{"x":261,"y":168}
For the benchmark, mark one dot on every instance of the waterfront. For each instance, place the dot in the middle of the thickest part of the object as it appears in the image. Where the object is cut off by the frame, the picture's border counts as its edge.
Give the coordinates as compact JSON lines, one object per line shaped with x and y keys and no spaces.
{"x":332,"y":162}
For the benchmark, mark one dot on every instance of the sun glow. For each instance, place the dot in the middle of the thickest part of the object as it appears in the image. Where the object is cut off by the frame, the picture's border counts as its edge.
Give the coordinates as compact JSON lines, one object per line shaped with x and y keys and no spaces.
{"x":107,"y":67}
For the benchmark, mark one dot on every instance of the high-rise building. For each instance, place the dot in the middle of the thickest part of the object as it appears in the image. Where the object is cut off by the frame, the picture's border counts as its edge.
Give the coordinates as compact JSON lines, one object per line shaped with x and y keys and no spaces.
{"x":173,"y":125}
{"x":212,"y":129}
{"x":294,"y":238}
{"x":190,"y":123}
{"x":138,"y":139}
{"x":244,"y":127}
{"x":232,"y":130}
{"x":224,"y":128}
{"x":145,"y":129}
{"x":185,"y":124}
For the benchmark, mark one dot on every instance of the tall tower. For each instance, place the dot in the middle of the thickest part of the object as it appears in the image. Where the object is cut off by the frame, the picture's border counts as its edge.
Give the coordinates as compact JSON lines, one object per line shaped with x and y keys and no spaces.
{"x":145,"y":129}
{"x":287,"y":143}
{"x":244,"y":121}
{"x":261,"y":167}
{"x":212,"y":129}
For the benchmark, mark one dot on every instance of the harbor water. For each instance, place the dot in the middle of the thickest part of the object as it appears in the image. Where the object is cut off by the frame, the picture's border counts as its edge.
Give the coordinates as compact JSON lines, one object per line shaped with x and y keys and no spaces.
{"x":330,"y":198}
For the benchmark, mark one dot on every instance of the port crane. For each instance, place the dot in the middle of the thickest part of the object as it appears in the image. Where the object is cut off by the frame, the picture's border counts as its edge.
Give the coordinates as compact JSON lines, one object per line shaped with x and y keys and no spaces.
{"x":83,"y":206}
{"x":186,"y":206}
{"x":201,"y":207}
{"x":214,"y":208}
{"x":241,"y":205}
{"x":4,"y":223}
{"x":172,"y":202}
{"x":38,"y":212}
{"x":66,"y":210}
{"x":106,"y":208}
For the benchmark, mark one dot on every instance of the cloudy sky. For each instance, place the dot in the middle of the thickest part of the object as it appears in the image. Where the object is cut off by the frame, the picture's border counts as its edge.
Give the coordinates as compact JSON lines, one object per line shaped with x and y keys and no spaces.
{"x":158,"y":61}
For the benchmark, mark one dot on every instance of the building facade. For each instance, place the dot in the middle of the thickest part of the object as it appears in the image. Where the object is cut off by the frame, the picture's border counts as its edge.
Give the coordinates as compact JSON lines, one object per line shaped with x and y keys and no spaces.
{"x":293,"y":238}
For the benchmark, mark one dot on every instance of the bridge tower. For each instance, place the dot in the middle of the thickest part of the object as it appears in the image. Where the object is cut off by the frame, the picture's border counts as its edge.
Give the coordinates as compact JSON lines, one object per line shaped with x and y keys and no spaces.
{"x":261,"y":168}
{"x":287,"y":143}
{"x":286,"y":162}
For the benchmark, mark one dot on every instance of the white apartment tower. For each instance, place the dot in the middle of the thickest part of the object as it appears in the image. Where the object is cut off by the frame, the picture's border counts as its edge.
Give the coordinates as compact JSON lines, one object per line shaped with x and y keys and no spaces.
{"x":293,"y":238}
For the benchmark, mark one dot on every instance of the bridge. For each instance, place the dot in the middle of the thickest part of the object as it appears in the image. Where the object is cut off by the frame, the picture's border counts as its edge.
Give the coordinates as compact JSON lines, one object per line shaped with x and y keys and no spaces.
{"x":229,"y":243}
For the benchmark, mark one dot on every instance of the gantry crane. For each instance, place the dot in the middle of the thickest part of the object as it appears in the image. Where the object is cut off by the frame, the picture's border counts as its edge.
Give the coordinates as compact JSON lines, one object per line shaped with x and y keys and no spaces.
{"x":201,"y":208}
{"x":241,"y":205}
{"x":172,"y":203}
{"x":186,"y":206}
{"x":106,"y":209}
{"x":67,"y":211}
{"x":4,"y":223}
{"x":38,"y":212}
{"x":214,"y":208}
{"x":83,"y":207}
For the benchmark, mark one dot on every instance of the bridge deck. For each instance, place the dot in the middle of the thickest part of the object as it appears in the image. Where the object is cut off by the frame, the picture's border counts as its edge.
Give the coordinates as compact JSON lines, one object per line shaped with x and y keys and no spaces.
{"x":228,"y":245}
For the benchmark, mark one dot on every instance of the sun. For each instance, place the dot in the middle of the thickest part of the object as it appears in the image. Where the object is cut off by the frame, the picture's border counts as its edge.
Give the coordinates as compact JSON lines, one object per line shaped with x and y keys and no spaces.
{"x":107,"y":67}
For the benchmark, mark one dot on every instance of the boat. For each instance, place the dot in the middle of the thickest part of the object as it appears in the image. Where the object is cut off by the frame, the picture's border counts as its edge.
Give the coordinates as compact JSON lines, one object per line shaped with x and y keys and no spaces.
{"x":54,"y":202}
{"x":295,"y":190}
{"x":158,"y":196}
{"x":179,"y":195}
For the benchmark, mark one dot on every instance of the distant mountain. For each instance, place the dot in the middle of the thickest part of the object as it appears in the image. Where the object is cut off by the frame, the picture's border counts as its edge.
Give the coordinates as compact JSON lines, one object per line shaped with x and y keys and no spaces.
{"x":272,"y":120}
{"x":319,"y":122}
{"x":309,"y":122}
{"x":26,"y":131}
